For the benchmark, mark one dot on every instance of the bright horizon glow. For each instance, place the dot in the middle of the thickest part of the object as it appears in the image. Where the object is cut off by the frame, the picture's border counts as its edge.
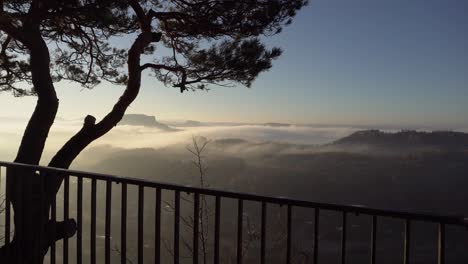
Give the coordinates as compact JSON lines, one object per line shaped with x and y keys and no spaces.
{"x":382,"y":63}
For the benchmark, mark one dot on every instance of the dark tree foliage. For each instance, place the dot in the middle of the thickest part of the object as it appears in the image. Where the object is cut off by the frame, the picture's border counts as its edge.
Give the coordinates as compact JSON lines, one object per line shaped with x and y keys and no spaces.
{"x":76,"y":33}
{"x":210,"y":41}
{"x":186,"y":44}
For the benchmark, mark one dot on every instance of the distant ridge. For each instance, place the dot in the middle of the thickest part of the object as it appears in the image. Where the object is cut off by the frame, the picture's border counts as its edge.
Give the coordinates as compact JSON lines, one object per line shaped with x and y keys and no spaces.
{"x":144,"y":120}
{"x":193,"y":123}
{"x":406,"y":139}
{"x":225,"y":142}
{"x":277,"y":124}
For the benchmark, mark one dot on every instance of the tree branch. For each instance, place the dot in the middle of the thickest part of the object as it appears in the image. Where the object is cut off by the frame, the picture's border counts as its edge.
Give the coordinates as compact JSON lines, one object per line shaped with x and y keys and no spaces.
{"x":90,"y":131}
{"x":7,"y":25}
{"x":145,"y":21}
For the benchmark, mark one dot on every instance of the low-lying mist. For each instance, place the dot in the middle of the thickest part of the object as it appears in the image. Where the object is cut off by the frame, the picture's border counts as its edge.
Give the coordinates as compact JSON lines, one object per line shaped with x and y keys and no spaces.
{"x":406,"y":171}
{"x":133,"y":136}
{"x":304,"y":162}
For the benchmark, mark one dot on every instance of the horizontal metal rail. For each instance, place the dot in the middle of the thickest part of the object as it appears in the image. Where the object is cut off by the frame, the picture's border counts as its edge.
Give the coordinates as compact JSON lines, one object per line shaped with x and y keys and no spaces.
{"x":197,"y":203}
{"x":358,"y":209}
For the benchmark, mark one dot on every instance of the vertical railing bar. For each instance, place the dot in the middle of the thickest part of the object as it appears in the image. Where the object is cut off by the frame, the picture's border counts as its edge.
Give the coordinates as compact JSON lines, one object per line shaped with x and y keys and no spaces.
{"x":93,"y":221}
{"x":7,"y":208}
{"x":66,"y":195}
{"x":140,"y":223}
{"x":263,"y":234}
{"x":157,"y":228}
{"x":373,"y":239}
{"x":6,"y":242}
{"x":108,"y":221}
{"x":176,"y":226}
{"x":217,"y":228}
{"x":79,"y":222}
{"x":53,"y":218}
{"x":343,"y":238}
{"x":123,"y":225}
{"x":316,"y":234}
{"x":240,"y":222}
{"x":43,"y":218}
{"x":196,"y":223}
{"x":18,"y":212}
{"x":289,"y":235}
{"x":407,"y":241}
{"x":441,"y":244}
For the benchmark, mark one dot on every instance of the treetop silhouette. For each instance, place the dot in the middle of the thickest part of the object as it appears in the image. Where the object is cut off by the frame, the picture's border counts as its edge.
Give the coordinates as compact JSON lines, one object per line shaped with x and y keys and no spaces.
{"x":210,"y":42}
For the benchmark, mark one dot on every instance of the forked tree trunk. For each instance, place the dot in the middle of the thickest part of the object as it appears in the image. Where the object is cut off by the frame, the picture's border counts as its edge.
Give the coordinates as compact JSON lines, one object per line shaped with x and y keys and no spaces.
{"x":31,"y":194}
{"x":26,"y":190}
{"x":33,"y":232}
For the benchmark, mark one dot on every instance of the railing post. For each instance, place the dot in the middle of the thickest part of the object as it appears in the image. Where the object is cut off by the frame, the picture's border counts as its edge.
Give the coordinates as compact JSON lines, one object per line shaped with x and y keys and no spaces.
{"x":123,"y":225}
{"x":7,"y":208}
{"x":343,"y":238}
{"x":93,"y":221}
{"x":157,"y":228}
{"x":79,"y":221}
{"x":108,"y":221}
{"x":263,"y":234}
{"x":240,"y":222}
{"x":176,"y":226}
{"x":196,"y":223}
{"x":66,"y":191}
{"x":441,"y":244}
{"x":53,"y":219}
{"x":316,"y":234}
{"x":140,"y":223}
{"x":406,"y":258}
{"x":373,"y":239}
{"x":289,"y":235}
{"x":217,"y":228}
{"x":42,"y":205}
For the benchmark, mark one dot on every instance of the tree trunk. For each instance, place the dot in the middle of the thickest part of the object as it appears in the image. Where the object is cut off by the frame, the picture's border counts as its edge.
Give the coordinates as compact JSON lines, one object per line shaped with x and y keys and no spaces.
{"x":32,"y":194}
{"x":25,"y":188}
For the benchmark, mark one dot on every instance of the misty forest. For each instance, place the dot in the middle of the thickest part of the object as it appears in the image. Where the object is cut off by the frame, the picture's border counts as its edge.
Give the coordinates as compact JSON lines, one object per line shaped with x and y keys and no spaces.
{"x":91,"y":172}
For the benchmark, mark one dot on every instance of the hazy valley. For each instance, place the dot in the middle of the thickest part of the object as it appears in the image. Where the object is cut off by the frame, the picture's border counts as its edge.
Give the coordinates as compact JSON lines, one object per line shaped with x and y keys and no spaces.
{"x":406,"y":170}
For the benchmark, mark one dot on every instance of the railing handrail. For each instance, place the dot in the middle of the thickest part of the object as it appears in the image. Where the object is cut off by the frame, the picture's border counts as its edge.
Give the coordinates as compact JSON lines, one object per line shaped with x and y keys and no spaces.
{"x":357,"y":209}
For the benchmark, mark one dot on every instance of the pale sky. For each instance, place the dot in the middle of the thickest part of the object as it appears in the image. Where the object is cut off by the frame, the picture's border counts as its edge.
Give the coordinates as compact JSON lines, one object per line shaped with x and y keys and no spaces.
{"x":360,"y":62}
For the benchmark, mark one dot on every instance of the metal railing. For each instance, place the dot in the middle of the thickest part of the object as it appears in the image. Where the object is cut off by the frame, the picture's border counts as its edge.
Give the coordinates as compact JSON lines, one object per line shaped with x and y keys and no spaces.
{"x":219,"y":195}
